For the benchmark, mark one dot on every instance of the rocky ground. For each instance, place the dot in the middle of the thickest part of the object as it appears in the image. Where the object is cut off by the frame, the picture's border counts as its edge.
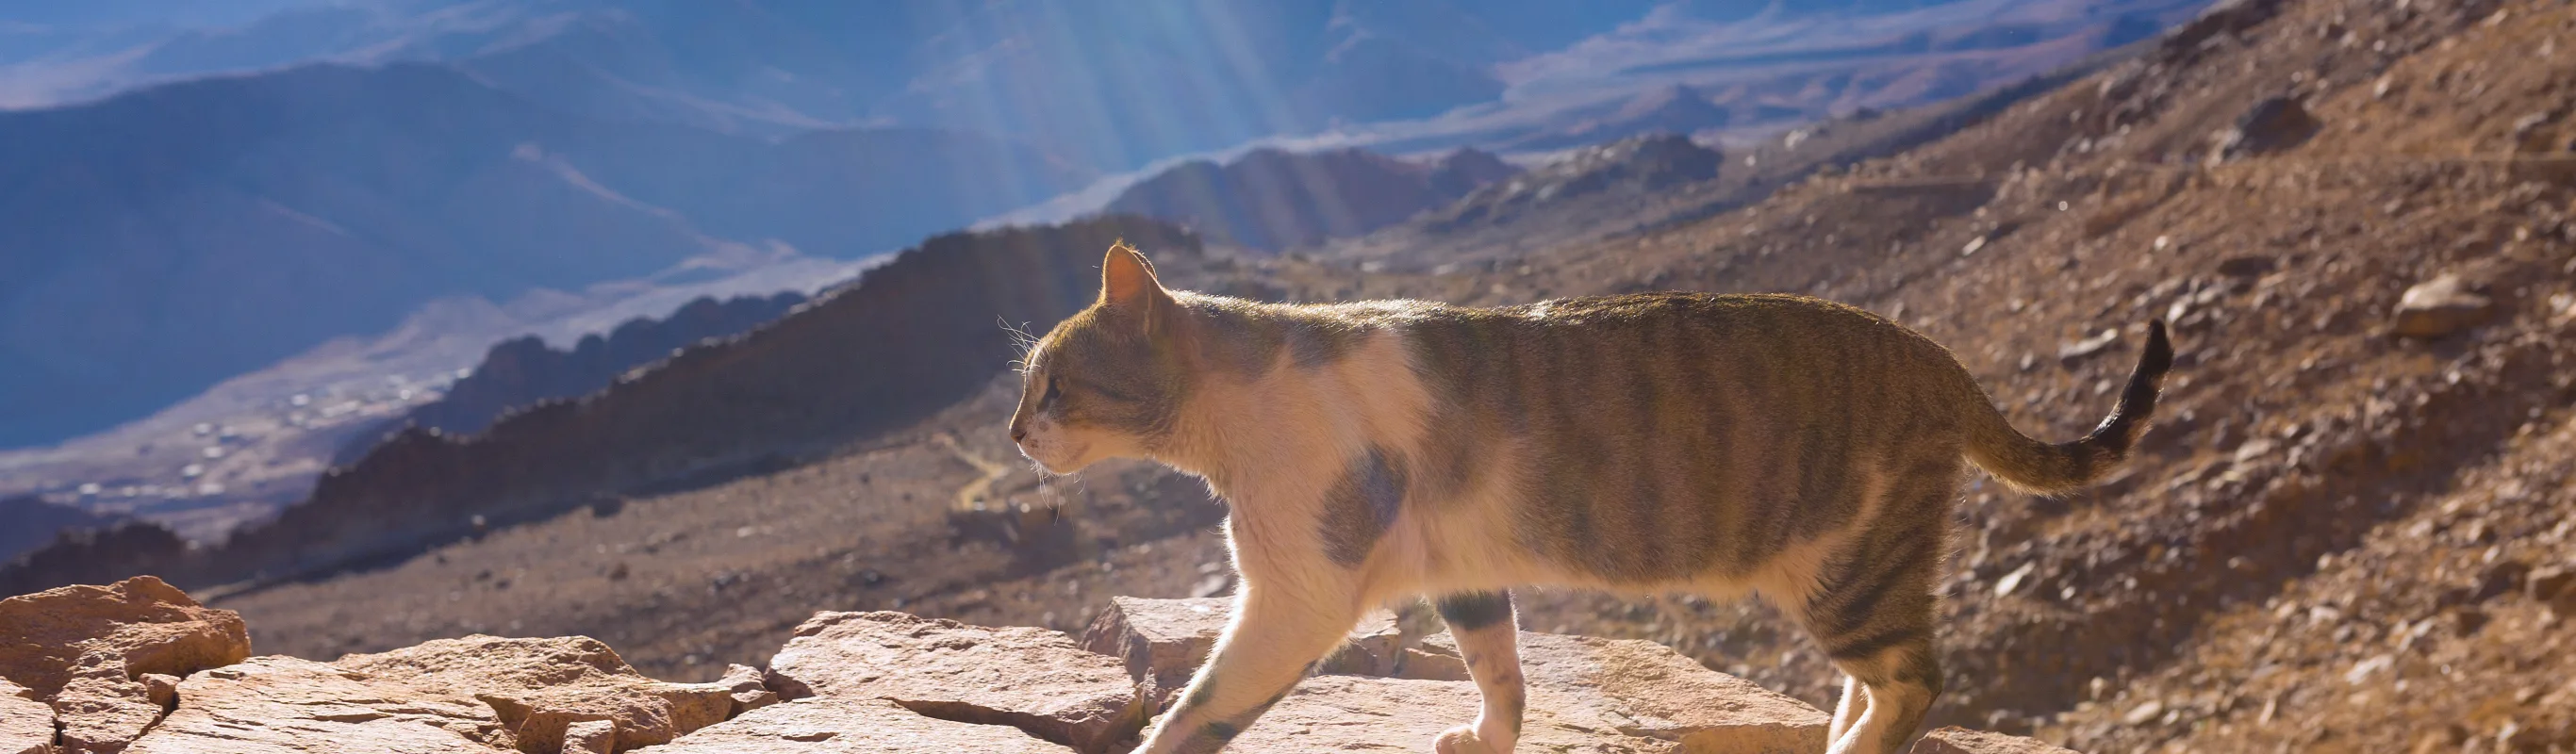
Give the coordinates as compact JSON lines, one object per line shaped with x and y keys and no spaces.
{"x":140,"y":667}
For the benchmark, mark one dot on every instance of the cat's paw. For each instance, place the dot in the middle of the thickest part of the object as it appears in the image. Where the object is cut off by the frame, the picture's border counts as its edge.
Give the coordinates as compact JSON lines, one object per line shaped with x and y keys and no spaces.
{"x":1463,"y":740}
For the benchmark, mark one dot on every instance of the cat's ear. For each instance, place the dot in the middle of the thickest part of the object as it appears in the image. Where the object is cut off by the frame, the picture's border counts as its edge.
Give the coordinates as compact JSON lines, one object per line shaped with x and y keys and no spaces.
{"x":1127,"y":282}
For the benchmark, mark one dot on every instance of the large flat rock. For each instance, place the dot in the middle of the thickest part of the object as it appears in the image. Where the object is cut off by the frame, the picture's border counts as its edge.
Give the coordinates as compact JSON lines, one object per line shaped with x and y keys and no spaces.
{"x":540,"y":687}
{"x":1617,"y":695}
{"x":83,"y":649}
{"x":283,"y":705}
{"x":1957,"y":740}
{"x":1664,"y":693}
{"x":824,"y":725}
{"x":1353,"y":713}
{"x":1032,"y":679}
{"x":1163,"y":641}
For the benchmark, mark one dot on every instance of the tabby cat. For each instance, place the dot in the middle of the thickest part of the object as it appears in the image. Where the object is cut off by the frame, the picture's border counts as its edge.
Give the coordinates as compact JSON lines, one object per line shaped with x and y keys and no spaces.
{"x":1379,"y":450}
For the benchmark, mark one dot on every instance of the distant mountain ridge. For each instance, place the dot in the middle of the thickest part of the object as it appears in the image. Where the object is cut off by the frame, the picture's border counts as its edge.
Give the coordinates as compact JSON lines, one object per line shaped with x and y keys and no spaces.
{"x":832,"y":372}
{"x":522,"y":372}
{"x":1274,"y":199}
{"x":156,"y":242}
{"x":28,"y":522}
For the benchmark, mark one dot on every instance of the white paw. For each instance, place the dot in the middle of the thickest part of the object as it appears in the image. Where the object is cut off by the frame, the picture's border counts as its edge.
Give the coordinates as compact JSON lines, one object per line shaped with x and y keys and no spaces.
{"x":1463,"y":740}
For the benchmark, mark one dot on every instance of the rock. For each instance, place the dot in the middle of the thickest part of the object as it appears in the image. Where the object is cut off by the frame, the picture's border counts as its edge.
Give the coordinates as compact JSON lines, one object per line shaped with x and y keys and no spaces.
{"x":2144,"y":713}
{"x":161,"y":689}
{"x":823,"y":724}
{"x":2274,"y":124}
{"x":2246,"y":266}
{"x":1957,"y":740}
{"x":2072,"y":353}
{"x":285,"y":705}
{"x":81,"y":648}
{"x":743,"y":684}
{"x":2439,"y":307}
{"x":590,"y":737}
{"x":2550,"y":583}
{"x":1657,"y":693}
{"x":26,"y":724}
{"x":1033,"y":679}
{"x":1163,"y":641}
{"x":540,"y":687}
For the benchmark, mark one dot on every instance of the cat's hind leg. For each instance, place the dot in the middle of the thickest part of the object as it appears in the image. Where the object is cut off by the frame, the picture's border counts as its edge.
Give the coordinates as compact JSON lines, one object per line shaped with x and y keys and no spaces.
{"x":1872,"y":609}
{"x":1489,"y":641}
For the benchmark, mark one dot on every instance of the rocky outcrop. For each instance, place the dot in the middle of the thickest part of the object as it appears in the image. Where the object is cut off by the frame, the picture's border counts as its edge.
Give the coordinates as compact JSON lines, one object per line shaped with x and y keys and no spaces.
{"x":1275,"y":199}
{"x":908,"y":338}
{"x":540,"y":687}
{"x":86,"y":649}
{"x":859,"y":682}
{"x":286,"y":705}
{"x":523,"y":371}
{"x":1029,"y":678}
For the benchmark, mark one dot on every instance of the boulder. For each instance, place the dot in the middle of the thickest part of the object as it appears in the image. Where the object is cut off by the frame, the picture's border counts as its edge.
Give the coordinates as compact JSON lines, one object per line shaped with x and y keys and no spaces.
{"x":1033,"y":679}
{"x":822,"y":725}
{"x":2272,"y":124}
{"x":540,"y":687}
{"x":26,"y":724}
{"x":1163,"y":642}
{"x":284,"y":705}
{"x":2439,"y":307}
{"x":1956,"y":740}
{"x":84,"y":649}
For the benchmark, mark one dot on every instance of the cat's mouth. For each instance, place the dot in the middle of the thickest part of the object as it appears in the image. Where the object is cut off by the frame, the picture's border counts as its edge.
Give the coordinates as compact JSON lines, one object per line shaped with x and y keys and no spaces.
{"x":1058,"y":458}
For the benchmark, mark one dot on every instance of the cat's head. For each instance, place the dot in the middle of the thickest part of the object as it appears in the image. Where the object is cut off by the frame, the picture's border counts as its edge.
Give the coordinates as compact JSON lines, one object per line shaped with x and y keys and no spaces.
{"x":1108,"y":381}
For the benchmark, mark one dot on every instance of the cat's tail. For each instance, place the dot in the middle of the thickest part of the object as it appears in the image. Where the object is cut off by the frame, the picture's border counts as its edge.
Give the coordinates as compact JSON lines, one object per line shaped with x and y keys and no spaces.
{"x":2047,"y":468}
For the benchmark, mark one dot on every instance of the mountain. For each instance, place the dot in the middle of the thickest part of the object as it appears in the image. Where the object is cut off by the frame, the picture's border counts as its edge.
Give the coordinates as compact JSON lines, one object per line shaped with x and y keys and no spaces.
{"x":156,"y":242}
{"x":522,"y":372}
{"x":1676,"y":108}
{"x":28,"y":522}
{"x":1274,"y":199}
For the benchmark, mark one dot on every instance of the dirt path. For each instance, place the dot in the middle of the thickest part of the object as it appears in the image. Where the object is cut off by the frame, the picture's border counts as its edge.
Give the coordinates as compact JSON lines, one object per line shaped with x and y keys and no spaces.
{"x":974,"y":492}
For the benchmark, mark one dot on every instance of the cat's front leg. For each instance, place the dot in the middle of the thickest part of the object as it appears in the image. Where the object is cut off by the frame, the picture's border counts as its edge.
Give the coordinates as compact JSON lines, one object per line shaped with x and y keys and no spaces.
{"x":1276,"y":634}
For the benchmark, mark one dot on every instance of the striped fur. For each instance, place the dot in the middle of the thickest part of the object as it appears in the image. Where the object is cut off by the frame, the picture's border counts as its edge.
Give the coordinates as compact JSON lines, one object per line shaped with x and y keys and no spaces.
{"x":1381,"y":450}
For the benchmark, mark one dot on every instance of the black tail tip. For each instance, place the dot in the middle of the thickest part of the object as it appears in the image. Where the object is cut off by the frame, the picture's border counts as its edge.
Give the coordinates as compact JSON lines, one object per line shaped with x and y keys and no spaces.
{"x":2160,"y":355}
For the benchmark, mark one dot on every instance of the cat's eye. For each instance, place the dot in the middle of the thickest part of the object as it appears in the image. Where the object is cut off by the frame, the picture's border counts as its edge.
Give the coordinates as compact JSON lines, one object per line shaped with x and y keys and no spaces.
{"x":1054,"y":390}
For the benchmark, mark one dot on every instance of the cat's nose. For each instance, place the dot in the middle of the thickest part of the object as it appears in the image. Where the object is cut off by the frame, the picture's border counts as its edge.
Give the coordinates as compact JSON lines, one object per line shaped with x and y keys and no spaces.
{"x":1019,"y":432}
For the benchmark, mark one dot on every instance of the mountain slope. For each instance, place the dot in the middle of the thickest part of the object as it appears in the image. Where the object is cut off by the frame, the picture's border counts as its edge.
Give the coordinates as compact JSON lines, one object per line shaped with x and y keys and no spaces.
{"x":208,"y":228}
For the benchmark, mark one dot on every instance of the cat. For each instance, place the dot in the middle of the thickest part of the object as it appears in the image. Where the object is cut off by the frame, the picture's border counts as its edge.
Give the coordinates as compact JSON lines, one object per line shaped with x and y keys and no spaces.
{"x":1380,"y":450}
